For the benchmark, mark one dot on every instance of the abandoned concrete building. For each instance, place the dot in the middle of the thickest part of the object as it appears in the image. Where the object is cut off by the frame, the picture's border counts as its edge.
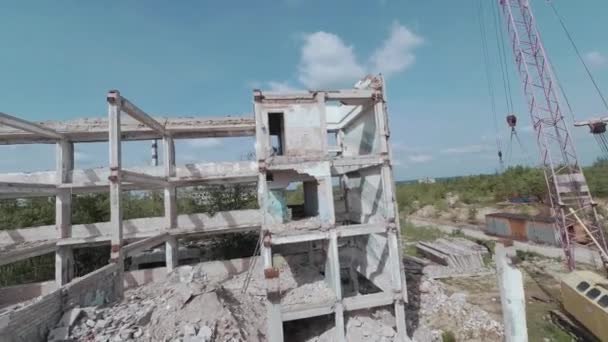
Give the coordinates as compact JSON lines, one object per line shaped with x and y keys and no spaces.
{"x":333,"y":145}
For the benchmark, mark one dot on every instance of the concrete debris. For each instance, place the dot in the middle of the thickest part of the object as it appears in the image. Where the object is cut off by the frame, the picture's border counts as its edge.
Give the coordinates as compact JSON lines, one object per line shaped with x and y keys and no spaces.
{"x":439,"y":310}
{"x":186,"y":307}
{"x":191,"y":307}
{"x":361,"y":326}
{"x":59,"y":334}
{"x":456,"y":257}
{"x":69,"y":317}
{"x":300,"y":283}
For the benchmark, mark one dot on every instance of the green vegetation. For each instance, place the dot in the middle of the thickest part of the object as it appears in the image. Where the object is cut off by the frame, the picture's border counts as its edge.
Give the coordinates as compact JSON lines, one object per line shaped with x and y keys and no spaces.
{"x":516,"y":181}
{"x":411,"y":232}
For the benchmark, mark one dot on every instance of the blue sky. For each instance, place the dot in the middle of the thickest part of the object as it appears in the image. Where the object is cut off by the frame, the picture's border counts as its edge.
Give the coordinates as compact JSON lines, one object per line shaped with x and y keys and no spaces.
{"x":202,"y":58}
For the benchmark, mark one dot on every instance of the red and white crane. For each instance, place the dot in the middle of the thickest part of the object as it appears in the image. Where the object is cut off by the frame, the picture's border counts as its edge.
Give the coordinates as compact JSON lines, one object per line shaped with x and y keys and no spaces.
{"x":565,"y":180}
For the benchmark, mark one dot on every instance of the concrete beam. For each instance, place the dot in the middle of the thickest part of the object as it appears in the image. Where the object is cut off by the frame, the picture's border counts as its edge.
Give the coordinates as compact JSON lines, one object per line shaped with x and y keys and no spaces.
{"x":224,"y":221}
{"x":35,"y":189}
{"x":142,"y":178}
{"x":29,"y":127}
{"x":367,"y":301}
{"x":346,"y":165}
{"x":96,"y":180}
{"x":347,"y":95}
{"x":341,"y":231}
{"x":144,"y":244}
{"x":302,"y":311}
{"x":96,"y":129}
{"x":25,"y":252}
{"x":136,"y":113}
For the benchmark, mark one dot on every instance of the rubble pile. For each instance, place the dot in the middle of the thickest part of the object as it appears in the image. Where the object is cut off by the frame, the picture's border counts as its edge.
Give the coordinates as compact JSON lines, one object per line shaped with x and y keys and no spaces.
{"x":186,"y":308}
{"x":452,"y":313}
{"x":189,"y":306}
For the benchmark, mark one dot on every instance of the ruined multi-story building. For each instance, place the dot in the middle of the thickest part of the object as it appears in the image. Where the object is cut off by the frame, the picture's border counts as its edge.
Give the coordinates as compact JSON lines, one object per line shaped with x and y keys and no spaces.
{"x":328,"y":149}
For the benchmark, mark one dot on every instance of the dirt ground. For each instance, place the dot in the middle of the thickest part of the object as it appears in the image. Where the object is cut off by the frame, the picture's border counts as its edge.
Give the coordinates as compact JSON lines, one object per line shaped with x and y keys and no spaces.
{"x":542,"y":291}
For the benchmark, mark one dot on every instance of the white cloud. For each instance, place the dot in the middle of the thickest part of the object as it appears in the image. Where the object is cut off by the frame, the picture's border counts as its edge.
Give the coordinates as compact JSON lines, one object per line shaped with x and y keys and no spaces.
{"x":466,"y":149}
{"x":280,"y":86}
{"x":596,"y":59}
{"x":326,"y":61}
{"x":420,"y":158}
{"x":204,"y":143}
{"x":397,"y":52}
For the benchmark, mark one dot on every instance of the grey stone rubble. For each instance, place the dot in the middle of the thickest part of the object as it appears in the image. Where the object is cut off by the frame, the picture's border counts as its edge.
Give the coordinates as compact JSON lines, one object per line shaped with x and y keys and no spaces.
{"x":190,"y":307}
{"x":187,"y":307}
{"x":442,"y":311}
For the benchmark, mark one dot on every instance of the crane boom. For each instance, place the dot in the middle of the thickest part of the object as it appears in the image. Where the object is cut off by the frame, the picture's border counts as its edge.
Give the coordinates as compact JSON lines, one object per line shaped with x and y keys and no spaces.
{"x":565,"y":180}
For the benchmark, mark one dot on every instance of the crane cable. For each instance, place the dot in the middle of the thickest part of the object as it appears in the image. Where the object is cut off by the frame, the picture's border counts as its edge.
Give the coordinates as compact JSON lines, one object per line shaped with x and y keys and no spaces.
{"x":600,"y":137}
{"x":578,"y":53}
{"x":489,"y":79}
{"x":500,"y":43}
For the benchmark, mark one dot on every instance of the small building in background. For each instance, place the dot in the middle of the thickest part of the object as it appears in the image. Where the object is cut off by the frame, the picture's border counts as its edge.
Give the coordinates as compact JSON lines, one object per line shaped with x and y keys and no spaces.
{"x":521,"y":227}
{"x":426,"y":180}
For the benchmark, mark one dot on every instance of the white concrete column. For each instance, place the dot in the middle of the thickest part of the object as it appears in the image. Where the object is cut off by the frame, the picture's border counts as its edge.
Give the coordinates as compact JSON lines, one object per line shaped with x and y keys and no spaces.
{"x":64,"y":258}
{"x":170,"y":203}
{"x":332,"y":276}
{"x":116,"y":239}
{"x":512,"y":297}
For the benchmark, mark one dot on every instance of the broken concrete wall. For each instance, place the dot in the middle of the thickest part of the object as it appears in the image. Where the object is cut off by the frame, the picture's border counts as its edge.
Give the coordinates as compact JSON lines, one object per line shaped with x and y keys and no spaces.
{"x":31,"y":323}
{"x":361,"y":136}
{"x":16,"y":294}
{"x":305,"y":132}
{"x":370,"y":257}
{"x":96,"y":288}
{"x":276,"y":207}
{"x":365,"y":197}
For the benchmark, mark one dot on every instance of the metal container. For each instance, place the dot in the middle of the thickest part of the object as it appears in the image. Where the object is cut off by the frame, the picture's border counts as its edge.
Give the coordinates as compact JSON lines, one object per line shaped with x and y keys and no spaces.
{"x":538,"y":229}
{"x":498,"y":226}
{"x":542,"y":232}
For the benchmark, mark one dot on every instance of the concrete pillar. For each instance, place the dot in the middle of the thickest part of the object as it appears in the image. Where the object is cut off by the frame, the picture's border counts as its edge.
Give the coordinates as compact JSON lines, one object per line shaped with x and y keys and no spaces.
{"x":512,"y":297}
{"x":390,"y":205}
{"x":170,"y":203}
{"x":64,"y":258}
{"x":332,"y":277}
{"x":171,"y":254}
{"x":273,"y":294}
{"x":116,"y":234}
{"x":400,"y":320}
